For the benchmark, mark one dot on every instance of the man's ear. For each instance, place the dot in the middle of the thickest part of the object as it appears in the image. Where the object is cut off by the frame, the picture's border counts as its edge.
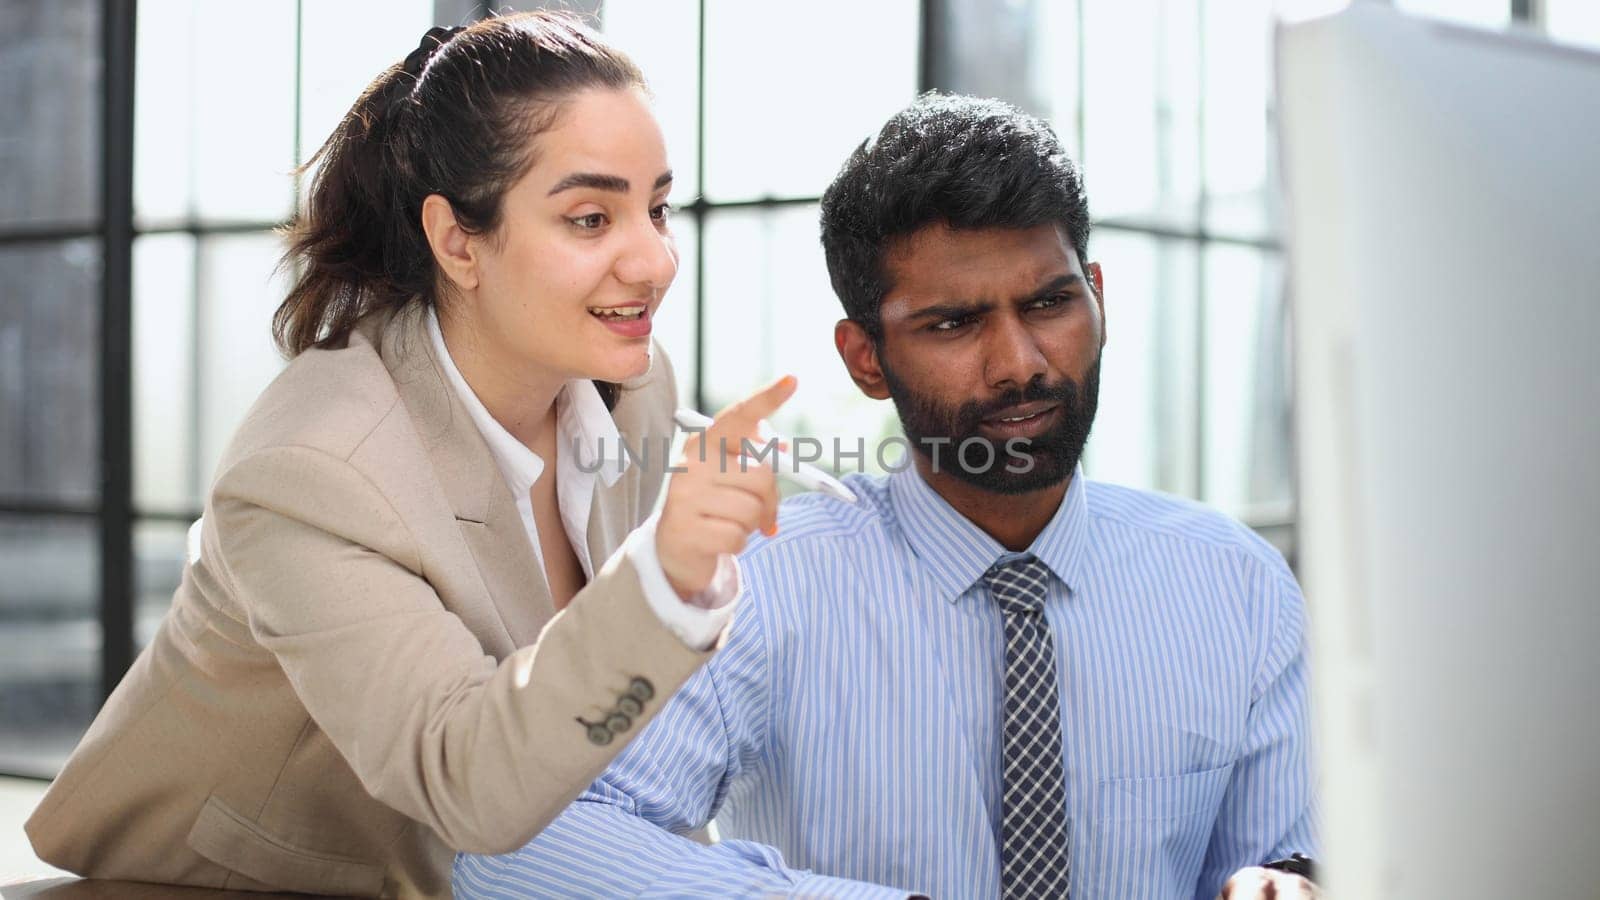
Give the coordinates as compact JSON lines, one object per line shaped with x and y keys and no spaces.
{"x":1097,"y":280}
{"x":860,"y":357}
{"x":454,"y":251}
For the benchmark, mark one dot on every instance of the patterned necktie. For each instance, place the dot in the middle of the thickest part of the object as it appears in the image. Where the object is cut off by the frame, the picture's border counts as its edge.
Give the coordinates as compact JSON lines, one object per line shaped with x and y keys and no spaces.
{"x":1033,"y":817}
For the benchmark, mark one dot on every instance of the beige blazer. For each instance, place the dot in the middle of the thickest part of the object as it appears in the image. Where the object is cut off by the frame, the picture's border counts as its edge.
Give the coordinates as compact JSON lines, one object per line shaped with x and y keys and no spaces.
{"x":363,"y":671}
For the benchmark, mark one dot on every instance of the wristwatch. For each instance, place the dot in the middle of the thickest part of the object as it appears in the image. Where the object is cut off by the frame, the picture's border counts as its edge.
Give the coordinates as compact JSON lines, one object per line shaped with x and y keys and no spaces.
{"x":1297,"y":864}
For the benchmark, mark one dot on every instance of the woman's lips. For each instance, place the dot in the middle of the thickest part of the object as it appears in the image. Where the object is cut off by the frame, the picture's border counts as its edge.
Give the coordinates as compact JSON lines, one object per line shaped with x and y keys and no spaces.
{"x":635,"y":326}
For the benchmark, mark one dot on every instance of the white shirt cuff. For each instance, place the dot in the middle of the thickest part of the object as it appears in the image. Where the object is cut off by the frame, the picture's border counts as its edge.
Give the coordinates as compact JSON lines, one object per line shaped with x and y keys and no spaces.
{"x":700,"y":619}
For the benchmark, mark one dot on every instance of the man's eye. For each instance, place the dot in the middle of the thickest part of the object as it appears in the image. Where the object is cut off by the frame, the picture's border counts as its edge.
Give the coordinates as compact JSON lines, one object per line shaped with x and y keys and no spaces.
{"x":659,"y":213}
{"x":591,"y":222}
{"x":1050,"y":302}
{"x":949,"y":325}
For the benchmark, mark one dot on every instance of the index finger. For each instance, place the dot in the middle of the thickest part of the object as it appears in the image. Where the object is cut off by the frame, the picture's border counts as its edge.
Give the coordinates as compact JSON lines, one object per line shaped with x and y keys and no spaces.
{"x":744,"y":416}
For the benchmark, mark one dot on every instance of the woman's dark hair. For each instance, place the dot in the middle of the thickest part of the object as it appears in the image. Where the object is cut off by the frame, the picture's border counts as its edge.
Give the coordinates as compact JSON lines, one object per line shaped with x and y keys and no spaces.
{"x":967,"y":162}
{"x":456,"y":119}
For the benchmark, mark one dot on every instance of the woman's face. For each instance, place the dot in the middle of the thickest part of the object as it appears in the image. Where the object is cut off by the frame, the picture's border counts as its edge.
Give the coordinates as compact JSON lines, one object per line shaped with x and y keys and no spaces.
{"x":570,"y":282}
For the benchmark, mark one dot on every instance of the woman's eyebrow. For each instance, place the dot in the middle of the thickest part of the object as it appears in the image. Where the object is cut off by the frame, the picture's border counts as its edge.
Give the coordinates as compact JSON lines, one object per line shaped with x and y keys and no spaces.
{"x":597,"y":181}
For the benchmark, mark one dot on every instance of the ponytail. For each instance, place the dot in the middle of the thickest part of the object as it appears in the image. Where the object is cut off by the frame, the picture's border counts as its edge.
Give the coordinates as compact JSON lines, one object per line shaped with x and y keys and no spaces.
{"x":340,"y":238}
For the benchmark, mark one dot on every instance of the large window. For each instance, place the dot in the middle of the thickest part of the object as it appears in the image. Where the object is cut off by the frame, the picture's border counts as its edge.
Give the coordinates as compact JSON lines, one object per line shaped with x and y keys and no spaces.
{"x":759,"y":124}
{"x":57,"y":248}
{"x":1167,"y":107}
{"x":138,"y":259}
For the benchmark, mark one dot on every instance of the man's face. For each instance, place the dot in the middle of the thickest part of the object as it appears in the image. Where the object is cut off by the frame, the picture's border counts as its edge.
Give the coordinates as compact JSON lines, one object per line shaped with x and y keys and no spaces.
{"x":991,"y":351}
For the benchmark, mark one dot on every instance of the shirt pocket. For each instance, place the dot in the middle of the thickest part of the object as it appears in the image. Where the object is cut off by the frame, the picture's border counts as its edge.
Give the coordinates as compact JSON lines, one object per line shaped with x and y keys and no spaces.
{"x":1147,"y":837}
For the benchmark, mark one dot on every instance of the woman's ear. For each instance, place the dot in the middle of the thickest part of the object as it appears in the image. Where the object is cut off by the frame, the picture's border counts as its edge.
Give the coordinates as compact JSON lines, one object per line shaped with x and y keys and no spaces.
{"x":452,"y":246}
{"x":860,"y":355}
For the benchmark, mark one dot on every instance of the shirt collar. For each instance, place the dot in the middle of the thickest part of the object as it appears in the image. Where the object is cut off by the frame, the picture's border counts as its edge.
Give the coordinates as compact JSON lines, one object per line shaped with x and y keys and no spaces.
{"x":957,"y":552}
{"x":582,"y":423}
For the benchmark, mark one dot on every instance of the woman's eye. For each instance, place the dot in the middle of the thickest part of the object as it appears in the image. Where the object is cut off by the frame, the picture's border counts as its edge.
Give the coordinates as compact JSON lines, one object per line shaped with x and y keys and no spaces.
{"x":591,"y":222}
{"x":659,"y":212}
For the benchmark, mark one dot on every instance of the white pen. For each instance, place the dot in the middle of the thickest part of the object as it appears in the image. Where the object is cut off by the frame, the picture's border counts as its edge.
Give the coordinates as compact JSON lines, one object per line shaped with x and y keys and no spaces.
{"x":804,"y":474}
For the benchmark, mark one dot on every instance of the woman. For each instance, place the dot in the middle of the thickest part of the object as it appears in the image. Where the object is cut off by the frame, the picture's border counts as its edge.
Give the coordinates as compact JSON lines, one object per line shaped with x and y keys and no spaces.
{"x":428,"y":607}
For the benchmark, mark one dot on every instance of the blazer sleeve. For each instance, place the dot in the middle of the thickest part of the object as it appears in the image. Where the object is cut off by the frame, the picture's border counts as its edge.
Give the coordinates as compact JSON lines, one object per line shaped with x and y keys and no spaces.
{"x":486,"y":754}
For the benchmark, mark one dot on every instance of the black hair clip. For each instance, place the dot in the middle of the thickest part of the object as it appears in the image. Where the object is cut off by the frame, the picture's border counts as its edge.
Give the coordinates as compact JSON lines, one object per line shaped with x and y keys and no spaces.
{"x":430,"y":43}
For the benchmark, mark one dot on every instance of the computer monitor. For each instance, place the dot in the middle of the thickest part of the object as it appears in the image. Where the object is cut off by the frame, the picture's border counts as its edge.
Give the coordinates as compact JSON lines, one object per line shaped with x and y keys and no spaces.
{"x":1443,"y":189}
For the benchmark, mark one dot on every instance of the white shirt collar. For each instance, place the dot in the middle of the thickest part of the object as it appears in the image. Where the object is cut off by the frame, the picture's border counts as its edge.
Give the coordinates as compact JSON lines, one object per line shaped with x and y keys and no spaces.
{"x":582,"y":422}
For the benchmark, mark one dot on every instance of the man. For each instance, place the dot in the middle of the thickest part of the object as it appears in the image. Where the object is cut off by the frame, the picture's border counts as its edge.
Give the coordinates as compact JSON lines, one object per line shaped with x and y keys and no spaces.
{"x":990,"y":676}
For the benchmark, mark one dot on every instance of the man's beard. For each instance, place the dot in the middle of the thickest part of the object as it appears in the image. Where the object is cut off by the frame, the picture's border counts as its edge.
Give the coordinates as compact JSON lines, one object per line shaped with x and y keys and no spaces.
{"x":949,"y":437}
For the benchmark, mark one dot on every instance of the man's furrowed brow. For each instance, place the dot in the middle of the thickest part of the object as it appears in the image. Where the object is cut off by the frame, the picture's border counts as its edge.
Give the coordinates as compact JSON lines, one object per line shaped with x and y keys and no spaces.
{"x":960,"y":309}
{"x":954,"y":309}
{"x":1058,"y":284}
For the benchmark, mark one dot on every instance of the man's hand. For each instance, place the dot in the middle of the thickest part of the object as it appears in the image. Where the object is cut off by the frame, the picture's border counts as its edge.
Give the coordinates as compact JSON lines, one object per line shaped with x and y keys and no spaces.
{"x":715,"y":502}
{"x":1256,"y":883}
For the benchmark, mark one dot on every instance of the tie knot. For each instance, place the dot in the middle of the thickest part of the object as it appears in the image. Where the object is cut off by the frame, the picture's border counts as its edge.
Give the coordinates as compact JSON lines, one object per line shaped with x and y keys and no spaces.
{"x":1018,"y":585}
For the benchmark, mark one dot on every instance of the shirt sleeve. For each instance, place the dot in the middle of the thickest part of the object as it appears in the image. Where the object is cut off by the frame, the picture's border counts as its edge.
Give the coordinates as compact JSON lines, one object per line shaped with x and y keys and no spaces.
{"x":1269,"y":808}
{"x":698,"y":620}
{"x":625,"y":835}
{"x":600,"y":849}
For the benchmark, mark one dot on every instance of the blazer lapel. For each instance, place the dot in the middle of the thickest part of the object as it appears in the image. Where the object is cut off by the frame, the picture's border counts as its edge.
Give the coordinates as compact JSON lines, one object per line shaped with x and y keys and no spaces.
{"x":486,"y":514}
{"x":609,"y":519}
{"x":509,"y":568}
{"x":616,"y":509}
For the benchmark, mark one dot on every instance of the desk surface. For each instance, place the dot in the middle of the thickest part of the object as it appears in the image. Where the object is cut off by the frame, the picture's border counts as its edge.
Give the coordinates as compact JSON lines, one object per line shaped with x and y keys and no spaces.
{"x":96,"y":889}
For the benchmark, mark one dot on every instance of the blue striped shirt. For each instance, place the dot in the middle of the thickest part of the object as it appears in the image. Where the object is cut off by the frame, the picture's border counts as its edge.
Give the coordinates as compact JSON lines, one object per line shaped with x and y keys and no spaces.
{"x":851,"y":725}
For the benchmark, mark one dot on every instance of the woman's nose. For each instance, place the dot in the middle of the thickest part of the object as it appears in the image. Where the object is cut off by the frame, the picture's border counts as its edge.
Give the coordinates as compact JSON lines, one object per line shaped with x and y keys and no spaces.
{"x":650,"y":258}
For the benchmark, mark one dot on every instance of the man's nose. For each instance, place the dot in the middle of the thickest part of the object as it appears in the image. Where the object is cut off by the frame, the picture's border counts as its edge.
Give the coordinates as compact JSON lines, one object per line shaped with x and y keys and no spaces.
{"x":1013,"y":356}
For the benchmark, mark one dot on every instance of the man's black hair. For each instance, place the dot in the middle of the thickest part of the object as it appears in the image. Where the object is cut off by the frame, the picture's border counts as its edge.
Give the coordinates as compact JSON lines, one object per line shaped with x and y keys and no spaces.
{"x":963,"y":161}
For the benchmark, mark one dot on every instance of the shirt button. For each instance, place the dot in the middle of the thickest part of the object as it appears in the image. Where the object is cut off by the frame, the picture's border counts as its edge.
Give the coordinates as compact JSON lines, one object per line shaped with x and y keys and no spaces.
{"x":642,"y":689}
{"x":618,"y":723}
{"x":629,"y":705}
{"x":599,"y":735}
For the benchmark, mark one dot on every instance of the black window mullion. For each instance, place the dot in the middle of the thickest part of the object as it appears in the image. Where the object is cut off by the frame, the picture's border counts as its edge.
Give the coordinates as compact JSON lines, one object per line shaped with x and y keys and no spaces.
{"x":47,"y":235}
{"x":116,"y":344}
{"x":698,"y":209}
{"x":47,"y":509}
{"x":1201,"y":300}
{"x":928,"y":25}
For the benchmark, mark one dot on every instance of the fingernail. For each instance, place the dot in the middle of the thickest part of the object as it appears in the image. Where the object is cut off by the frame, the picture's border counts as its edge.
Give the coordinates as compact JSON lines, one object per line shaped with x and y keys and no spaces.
{"x":771,"y":531}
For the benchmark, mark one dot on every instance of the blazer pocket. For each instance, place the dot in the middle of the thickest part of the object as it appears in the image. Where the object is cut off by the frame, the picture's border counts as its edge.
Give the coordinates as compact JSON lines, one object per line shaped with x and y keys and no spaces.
{"x":232,"y":841}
